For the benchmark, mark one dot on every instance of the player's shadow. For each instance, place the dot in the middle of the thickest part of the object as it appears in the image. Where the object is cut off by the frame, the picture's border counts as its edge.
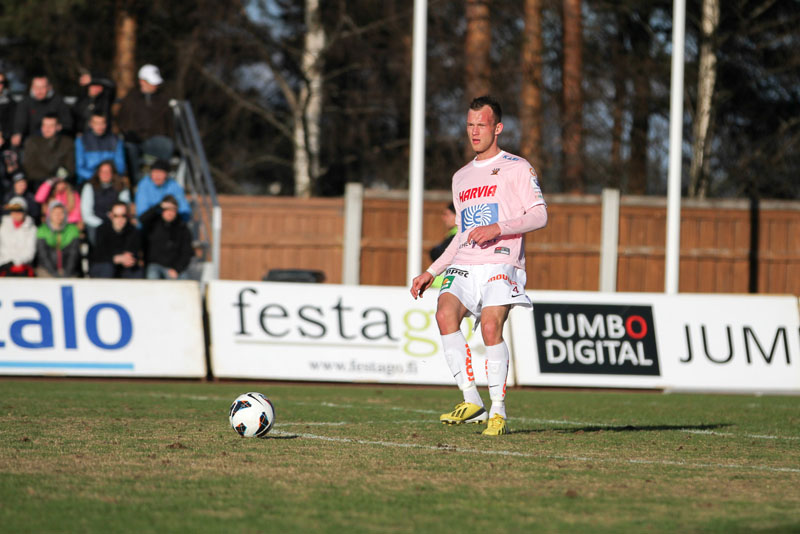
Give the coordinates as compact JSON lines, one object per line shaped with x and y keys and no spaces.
{"x":622,"y":428}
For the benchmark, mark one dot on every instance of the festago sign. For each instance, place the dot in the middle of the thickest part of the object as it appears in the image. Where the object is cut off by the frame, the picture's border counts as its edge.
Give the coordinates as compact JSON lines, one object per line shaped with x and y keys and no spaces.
{"x":329,"y":333}
{"x":101,"y":328}
{"x":691,"y":342}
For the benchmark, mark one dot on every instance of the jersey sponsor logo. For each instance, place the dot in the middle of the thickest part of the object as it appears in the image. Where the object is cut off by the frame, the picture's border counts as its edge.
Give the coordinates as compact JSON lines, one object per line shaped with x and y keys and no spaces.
{"x":478,"y":215}
{"x":456,"y":272}
{"x":502,"y":250}
{"x":477,"y":192}
{"x":512,"y":283}
{"x":447,"y":282}
{"x":510,"y":158}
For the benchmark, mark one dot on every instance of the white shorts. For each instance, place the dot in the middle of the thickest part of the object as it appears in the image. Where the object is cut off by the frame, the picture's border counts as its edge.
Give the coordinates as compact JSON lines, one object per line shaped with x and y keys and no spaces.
{"x":492,"y":284}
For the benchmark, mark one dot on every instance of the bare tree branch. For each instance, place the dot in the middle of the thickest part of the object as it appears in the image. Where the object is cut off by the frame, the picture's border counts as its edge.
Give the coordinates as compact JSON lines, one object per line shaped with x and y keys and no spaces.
{"x":244,"y":102}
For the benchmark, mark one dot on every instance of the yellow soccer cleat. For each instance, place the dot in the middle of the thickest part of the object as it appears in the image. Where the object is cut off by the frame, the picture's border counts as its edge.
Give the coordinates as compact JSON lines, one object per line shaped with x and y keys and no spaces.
{"x":497,"y":426}
{"x":465,"y":412}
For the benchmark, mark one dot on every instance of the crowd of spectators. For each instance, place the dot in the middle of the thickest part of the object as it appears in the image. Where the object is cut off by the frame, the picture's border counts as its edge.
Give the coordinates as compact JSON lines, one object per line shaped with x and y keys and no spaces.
{"x":86,"y":189}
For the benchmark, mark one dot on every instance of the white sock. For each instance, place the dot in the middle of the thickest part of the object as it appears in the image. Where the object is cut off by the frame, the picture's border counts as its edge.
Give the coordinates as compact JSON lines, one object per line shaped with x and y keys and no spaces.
{"x":471,"y":394}
{"x":459,"y":359}
{"x":497,"y":373}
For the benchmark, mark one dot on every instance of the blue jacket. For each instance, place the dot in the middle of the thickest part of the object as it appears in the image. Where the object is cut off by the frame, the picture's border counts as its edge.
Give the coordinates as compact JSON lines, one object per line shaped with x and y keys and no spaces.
{"x":148,"y":195}
{"x":91,"y":150}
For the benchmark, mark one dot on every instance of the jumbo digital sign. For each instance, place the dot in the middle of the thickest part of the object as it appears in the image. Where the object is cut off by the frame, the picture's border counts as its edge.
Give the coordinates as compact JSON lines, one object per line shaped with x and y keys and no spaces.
{"x":596,"y":339}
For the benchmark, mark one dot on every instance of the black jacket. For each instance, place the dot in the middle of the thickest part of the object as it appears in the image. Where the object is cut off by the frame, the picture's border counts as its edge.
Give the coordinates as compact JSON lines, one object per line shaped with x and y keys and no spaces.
{"x":88,"y":106}
{"x":7,"y":111}
{"x":109,"y":243}
{"x":29,"y":114}
{"x":167,"y":244}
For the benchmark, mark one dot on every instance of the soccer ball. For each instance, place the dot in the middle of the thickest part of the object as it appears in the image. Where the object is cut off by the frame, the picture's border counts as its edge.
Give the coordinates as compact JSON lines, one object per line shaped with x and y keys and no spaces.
{"x":252,"y":415}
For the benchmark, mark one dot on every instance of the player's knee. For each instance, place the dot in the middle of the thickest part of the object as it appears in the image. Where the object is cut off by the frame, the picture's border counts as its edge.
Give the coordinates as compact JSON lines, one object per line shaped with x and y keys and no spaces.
{"x":446,"y":319}
{"x":492,"y":332}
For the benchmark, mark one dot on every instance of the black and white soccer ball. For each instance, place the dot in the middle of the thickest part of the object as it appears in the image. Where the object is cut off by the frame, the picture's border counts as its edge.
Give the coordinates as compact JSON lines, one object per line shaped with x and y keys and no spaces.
{"x":252,"y":415}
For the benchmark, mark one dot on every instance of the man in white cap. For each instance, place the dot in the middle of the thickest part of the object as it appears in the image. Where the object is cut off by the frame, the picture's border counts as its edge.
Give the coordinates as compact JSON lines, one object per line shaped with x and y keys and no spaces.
{"x":146,"y":121}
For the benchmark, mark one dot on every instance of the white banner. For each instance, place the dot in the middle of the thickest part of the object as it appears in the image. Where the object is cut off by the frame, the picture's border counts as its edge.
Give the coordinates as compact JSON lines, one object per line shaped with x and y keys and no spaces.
{"x":287,"y":331}
{"x":74,"y":327}
{"x":649,"y":340}
{"x":731,"y":343}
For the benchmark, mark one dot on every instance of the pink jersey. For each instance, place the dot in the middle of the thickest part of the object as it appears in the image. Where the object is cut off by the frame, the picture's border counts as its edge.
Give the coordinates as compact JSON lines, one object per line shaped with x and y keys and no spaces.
{"x":485,"y":192}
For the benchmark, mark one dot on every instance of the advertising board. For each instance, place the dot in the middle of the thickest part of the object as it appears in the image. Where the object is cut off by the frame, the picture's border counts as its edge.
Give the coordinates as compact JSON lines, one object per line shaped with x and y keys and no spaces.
{"x":285,"y":331}
{"x":677,"y":342}
{"x":73,"y":327}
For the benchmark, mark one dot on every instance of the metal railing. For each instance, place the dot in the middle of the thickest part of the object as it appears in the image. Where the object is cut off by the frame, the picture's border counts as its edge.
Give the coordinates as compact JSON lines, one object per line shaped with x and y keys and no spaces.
{"x":194,"y":175}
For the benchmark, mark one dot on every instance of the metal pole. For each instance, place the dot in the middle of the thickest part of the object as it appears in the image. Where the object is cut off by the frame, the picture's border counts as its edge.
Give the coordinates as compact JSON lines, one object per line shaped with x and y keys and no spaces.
{"x":216,"y":229}
{"x":353,"y":215}
{"x":672,"y":256}
{"x":416,"y":167}
{"x":610,"y":240}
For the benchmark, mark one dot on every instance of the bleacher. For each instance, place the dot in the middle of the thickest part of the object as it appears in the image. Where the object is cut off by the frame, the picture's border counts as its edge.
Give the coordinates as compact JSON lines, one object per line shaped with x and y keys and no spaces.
{"x":191,"y":171}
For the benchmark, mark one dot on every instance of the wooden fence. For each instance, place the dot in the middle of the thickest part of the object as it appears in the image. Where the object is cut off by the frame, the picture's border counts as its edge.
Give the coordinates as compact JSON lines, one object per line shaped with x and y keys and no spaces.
{"x":719,"y":253}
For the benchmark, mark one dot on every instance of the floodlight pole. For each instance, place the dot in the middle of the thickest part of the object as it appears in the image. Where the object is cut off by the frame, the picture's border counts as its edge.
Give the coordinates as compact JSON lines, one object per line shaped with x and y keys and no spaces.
{"x":416,"y":166}
{"x":672,"y":255}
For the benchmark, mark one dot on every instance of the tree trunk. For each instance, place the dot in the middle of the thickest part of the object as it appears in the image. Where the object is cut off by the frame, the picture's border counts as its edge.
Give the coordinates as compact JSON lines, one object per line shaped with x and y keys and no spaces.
{"x":618,"y":110}
{"x":573,"y":98}
{"x":311,"y":101}
{"x":531,"y":112}
{"x":640,"y":44}
{"x":300,"y":163}
{"x":124,"y":70}
{"x":706,"y":79}
{"x":478,"y":40}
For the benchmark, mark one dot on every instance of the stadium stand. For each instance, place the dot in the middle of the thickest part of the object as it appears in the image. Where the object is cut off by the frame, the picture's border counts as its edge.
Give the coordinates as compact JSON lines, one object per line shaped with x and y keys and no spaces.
{"x":188,"y":167}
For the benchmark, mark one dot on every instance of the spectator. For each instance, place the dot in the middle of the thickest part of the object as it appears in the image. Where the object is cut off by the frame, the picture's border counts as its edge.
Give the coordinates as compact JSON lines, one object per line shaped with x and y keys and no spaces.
{"x":9,"y":162}
{"x":95,"y":145}
{"x":44,"y":155}
{"x":17,"y":240}
{"x":9,"y":158}
{"x":7,"y":107}
{"x":19,"y":188}
{"x":155,"y":186}
{"x":449,"y":221}
{"x":167,"y":241}
{"x":58,"y":252}
{"x":57,"y":188}
{"x":41,"y":101}
{"x":99,"y":93}
{"x":99,"y":195}
{"x":118,"y":248}
{"x":145,"y":120}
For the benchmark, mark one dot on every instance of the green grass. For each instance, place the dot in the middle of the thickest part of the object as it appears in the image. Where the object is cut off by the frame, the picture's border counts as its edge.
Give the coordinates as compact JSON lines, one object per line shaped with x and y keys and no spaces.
{"x":128,"y":456}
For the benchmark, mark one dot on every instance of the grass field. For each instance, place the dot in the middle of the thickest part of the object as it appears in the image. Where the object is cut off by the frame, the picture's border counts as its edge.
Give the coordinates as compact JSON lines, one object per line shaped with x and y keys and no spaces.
{"x":128,"y":456}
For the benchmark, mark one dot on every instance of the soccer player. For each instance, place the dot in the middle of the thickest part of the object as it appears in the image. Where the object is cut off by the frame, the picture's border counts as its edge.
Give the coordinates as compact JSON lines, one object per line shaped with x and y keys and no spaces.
{"x":497,"y":200}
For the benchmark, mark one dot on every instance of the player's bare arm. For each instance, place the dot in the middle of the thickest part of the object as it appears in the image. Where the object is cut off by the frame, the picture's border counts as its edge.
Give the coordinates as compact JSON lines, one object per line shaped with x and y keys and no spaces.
{"x":420,"y":284}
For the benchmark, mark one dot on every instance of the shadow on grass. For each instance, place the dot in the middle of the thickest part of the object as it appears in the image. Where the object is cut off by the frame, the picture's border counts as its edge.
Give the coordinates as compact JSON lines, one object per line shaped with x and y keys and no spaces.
{"x":293,"y":436}
{"x":622,"y":428}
